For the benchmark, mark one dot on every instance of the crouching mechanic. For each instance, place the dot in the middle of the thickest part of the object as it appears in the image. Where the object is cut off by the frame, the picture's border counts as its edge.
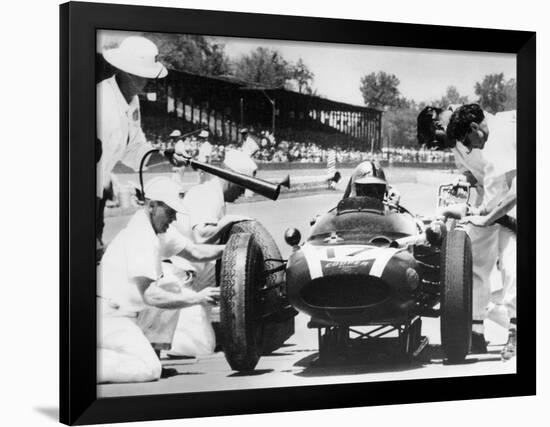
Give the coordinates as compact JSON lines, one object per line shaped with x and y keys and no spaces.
{"x":130,"y":280}
{"x":206,"y":202}
{"x":206,"y":222}
{"x":495,"y":136}
{"x":369,"y":180}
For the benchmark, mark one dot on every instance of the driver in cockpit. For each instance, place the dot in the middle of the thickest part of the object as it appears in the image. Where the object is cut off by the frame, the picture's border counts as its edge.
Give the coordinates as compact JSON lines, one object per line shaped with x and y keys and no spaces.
{"x":369,"y":180}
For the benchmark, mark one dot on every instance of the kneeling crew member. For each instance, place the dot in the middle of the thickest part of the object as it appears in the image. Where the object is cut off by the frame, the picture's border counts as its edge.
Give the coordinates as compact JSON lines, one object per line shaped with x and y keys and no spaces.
{"x":129,"y":282}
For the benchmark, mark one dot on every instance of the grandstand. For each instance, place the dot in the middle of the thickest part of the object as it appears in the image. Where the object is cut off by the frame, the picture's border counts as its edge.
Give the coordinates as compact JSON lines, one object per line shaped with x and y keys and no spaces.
{"x":223,"y":104}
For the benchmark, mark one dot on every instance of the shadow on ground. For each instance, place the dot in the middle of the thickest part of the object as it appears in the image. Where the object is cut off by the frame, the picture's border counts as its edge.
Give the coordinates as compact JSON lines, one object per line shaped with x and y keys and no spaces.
{"x":312,"y":367}
{"x":365,"y":362}
{"x":254,"y":373}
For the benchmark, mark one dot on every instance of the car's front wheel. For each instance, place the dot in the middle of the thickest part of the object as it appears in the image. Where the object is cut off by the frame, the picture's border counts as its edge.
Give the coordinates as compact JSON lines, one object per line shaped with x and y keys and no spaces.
{"x":456,"y":295}
{"x":241,"y":277}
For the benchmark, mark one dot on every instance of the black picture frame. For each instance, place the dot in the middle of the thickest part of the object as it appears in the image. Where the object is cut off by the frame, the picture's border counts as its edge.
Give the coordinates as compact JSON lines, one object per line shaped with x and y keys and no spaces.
{"x":78,"y":400}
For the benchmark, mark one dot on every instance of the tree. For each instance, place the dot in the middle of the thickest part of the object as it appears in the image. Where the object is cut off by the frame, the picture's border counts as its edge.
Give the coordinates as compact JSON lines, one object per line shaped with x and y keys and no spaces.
{"x":265,"y":67}
{"x":303,"y":77}
{"x":492,"y":92}
{"x":192,"y":53}
{"x":380,"y":90}
{"x":452,"y":97}
{"x":510,"y":90}
{"x":399,"y":125}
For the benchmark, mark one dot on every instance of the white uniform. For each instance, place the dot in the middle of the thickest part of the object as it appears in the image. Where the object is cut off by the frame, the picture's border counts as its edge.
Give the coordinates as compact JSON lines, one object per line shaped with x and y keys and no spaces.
{"x":489,"y":244}
{"x":250,"y":146}
{"x":119,"y":130}
{"x":124,"y":353}
{"x":500,"y":170}
{"x":205,"y":202}
{"x":194,"y":335}
{"x":484,"y":239}
{"x":205,"y":152}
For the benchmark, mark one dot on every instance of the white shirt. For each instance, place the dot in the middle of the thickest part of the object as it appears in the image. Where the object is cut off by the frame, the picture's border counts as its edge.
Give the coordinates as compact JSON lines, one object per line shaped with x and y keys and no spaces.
{"x":474,"y":162}
{"x":500,"y":154}
{"x":119,"y":130}
{"x":249,"y":146}
{"x":205,"y":151}
{"x":134,"y":252}
{"x":205,"y":202}
{"x":176,"y":238}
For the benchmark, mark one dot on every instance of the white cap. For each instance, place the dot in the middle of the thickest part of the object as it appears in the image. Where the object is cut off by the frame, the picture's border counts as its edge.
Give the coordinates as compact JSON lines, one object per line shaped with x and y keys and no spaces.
{"x":166,"y":190}
{"x":138,"y":56}
{"x":175,"y":133}
{"x":203,"y":134}
{"x":239,"y":162}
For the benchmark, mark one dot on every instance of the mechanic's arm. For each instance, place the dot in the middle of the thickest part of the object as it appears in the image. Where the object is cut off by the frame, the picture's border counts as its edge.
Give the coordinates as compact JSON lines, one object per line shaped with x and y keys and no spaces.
{"x":201,"y":252}
{"x":502,"y":208}
{"x":156,"y":296}
{"x":489,"y":217}
{"x":210,"y":232}
{"x":135,"y":150}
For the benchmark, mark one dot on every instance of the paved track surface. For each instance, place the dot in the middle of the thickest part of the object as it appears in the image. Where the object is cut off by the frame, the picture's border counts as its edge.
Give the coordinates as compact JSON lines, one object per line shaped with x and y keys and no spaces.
{"x":293,"y":364}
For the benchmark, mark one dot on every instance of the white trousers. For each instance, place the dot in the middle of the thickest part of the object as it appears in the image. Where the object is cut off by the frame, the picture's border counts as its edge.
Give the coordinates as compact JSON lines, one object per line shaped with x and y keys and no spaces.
{"x":124,"y":354}
{"x":508,"y":272}
{"x":194,"y":335}
{"x":491,"y":245}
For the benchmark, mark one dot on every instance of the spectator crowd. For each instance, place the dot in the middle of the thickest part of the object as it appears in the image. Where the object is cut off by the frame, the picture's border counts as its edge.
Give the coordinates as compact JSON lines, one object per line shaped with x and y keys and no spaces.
{"x":269,"y":150}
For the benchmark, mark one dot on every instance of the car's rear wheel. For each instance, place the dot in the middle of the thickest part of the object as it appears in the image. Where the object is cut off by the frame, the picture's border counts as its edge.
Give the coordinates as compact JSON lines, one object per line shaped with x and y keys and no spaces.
{"x":241,"y":276}
{"x":456,"y":295}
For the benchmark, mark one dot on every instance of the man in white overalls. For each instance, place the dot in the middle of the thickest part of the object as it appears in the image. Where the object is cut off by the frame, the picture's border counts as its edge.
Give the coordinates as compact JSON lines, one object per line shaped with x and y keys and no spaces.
{"x":495,"y":136}
{"x":205,"y":222}
{"x":130,"y":279}
{"x":470,"y":162}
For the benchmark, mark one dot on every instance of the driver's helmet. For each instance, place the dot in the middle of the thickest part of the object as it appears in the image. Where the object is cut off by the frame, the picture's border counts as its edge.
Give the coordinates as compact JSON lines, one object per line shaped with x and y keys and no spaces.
{"x":368,"y":180}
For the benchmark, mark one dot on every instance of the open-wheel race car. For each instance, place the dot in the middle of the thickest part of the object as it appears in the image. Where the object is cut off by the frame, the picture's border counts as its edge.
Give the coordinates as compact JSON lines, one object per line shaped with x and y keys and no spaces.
{"x":367,"y":263}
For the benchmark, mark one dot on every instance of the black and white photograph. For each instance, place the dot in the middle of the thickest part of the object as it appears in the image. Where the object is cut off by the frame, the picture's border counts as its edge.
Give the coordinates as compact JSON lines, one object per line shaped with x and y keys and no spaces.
{"x":277,"y":213}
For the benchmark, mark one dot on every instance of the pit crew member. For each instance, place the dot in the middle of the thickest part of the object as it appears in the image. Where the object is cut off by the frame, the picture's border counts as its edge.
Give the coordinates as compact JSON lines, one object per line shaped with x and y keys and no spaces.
{"x":119,"y":133}
{"x":130,"y":280}
{"x":495,"y":136}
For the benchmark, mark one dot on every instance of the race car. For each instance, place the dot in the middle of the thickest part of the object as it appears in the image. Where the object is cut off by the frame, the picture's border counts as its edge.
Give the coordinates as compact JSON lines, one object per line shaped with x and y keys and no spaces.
{"x":372,"y":263}
{"x":367,"y":263}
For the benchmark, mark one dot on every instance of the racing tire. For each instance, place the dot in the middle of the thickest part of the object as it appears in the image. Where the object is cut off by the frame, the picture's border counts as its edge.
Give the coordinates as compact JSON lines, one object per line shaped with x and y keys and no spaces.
{"x":274,"y":300}
{"x":267,"y":246}
{"x":240,"y":278}
{"x":456,"y":295}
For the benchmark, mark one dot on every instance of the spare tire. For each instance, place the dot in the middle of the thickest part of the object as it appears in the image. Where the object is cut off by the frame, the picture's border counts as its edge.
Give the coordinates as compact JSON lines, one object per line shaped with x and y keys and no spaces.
{"x":241,"y":276}
{"x":456,"y":295}
{"x":274,"y":302}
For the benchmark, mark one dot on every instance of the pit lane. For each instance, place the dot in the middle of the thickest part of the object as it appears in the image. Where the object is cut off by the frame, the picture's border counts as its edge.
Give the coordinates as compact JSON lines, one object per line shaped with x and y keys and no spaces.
{"x":293,"y":364}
